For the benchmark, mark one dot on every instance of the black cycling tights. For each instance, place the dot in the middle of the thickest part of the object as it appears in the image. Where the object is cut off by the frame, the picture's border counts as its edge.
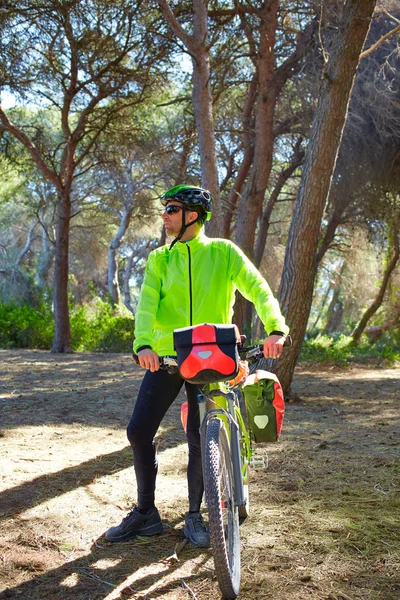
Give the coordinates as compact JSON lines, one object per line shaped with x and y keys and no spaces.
{"x":156,"y":394}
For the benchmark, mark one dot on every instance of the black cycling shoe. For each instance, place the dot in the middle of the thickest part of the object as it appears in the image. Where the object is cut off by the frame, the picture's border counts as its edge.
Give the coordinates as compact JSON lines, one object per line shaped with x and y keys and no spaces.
{"x":196,"y":530}
{"x":136,"y":523}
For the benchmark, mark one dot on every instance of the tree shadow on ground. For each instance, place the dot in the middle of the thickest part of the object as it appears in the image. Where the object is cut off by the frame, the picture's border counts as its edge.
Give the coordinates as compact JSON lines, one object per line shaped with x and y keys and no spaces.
{"x":31,"y":493}
{"x":85,"y":577}
{"x":92,"y":389}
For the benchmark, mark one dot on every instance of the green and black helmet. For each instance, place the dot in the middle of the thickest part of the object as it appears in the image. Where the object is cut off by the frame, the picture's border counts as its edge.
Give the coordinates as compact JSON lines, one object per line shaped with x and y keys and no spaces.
{"x":193,"y":198}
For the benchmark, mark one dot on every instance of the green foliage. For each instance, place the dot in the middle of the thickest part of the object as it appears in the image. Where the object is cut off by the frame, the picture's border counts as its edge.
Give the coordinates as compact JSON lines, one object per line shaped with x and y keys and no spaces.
{"x":25,"y":327}
{"x":101,"y":329}
{"x":343,"y":349}
{"x":105,"y":330}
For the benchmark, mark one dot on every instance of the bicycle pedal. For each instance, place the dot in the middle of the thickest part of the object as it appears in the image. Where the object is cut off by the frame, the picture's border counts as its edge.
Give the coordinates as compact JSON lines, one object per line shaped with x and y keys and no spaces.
{"x":259,"y":462}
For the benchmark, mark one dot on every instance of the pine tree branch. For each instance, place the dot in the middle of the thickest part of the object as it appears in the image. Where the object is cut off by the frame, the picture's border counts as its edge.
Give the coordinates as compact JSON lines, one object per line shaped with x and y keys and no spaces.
{"x":379,"y":42}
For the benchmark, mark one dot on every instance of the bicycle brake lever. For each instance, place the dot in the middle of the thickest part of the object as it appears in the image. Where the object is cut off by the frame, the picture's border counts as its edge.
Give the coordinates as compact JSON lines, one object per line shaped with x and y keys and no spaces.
{"x":254,"y":352}
{"x":288,"y":341}
{"x":170,"y":362}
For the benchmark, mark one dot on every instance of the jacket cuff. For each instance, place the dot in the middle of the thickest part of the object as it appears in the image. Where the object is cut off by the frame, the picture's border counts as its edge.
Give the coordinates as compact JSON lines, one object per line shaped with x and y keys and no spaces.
{"x":143,"y":348}
{"x":277,"y":333}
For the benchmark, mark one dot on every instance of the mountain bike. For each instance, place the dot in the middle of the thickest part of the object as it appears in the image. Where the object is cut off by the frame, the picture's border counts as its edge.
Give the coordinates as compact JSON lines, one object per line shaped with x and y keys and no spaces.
{"x":226,"y":452}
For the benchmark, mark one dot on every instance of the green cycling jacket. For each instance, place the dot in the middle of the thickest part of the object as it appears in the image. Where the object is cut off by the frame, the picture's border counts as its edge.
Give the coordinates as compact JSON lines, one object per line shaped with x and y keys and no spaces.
{"x":195,"y":283}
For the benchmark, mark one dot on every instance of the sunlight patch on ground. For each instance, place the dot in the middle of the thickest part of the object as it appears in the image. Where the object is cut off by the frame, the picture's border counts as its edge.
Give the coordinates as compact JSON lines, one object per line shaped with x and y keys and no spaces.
{"x":70,"y":581}
{"x":106,"y":563}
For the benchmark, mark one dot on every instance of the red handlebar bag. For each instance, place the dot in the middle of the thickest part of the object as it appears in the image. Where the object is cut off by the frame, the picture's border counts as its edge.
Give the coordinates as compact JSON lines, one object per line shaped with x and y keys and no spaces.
{"x":207,"y":353}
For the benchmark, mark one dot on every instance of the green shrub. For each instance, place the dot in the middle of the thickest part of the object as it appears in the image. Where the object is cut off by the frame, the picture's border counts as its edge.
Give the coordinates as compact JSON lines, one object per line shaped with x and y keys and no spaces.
{"x":101,"y":329}
{"x":25,"y":327}
{"x":97,"y":328}
{"x":341,"y":349}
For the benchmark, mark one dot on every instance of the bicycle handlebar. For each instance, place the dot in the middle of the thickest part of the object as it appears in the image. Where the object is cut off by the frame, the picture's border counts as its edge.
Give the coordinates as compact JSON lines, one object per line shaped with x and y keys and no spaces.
{"x":250,"y":353}
{"x":256,"y":352}
{"x":168,"y":363}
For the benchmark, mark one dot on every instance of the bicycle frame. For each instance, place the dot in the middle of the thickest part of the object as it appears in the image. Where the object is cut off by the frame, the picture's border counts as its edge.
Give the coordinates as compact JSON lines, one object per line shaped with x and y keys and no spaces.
{"x":227,"y":410}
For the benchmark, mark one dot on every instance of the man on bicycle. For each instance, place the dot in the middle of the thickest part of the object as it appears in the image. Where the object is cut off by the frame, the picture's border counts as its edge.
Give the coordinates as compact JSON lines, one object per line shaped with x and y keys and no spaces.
{"x":190,"y":282}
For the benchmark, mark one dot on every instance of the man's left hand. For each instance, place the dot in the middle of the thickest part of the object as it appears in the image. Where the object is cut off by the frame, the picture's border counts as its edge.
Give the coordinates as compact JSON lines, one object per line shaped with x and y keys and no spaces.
{"x":273,"y":346}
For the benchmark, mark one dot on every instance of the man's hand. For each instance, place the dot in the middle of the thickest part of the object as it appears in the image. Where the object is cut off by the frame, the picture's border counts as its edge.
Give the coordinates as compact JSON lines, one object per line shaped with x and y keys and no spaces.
{"x":273,"y":346}
{"x":148,"y":359}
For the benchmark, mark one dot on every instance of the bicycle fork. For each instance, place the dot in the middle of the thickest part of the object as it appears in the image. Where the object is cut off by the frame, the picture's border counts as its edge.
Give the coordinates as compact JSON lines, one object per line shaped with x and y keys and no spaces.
{"x":205,"y":416}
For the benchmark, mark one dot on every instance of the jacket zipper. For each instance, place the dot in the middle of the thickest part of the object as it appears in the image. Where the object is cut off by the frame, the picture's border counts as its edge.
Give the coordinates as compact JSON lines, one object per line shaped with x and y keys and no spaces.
{"x":190,"y":287}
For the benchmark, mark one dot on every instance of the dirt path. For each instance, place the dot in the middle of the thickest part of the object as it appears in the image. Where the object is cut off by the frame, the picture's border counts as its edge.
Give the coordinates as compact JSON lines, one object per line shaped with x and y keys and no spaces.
{"x":324,"y":518}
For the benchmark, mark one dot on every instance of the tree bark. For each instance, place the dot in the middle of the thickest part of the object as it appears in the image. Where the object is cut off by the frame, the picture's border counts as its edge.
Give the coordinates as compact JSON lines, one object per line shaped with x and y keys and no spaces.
{"x":62,"y":331}
{"x":296,"y":160}
{"x":113,"y":283}
{"x":28,"y":244}
{"x":197,"y":46}
{"x":376,"y":331}
{"x":127,"y":275}
{"x":271,"y":80}
{"x":250,"y":204}
{"x":44,"y":262}
{"x":248,"y":154}
{"x":391,"y":265}
{"x":203,"y":111}
{"x":296,"y":289}
{"x":335,"y":308}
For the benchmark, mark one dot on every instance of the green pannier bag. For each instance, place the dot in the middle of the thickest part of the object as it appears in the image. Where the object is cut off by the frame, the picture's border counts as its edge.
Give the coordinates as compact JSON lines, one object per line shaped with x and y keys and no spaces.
{"x":265,"y":406}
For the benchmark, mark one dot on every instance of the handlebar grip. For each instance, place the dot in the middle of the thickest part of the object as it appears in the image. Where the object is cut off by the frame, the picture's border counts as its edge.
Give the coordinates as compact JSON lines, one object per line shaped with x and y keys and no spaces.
{"x":167,"y":363}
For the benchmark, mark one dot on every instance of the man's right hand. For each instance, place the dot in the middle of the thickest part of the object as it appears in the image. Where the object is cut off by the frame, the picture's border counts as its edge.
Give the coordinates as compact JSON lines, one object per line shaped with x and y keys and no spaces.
{"x":148,"y":359}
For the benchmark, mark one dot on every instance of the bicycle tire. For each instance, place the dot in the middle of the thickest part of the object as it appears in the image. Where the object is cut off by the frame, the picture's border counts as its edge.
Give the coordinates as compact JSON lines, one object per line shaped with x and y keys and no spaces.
{"x":223,"y":515}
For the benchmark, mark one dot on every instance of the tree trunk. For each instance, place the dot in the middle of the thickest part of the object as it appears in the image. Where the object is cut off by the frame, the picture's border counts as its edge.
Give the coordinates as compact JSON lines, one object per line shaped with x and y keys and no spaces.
{"x":248,"y":309}
{"x":44,"y":262}
{"x":113,"y":283}
{"x":335,"y":314}
{"x":335,"y":308}
{"x":296,"y":289}
{"x":203,"y":111}
{"x":197,"y":46}
{"x":297,"y":158}
{"x":62,"y":332}
{"x":248,"y":155}
{"x":127,"y":275}
{"x":112,"y":276}
{"x":250,"y":204}
{"x":376,"y":331}
{"x":391,"y":265}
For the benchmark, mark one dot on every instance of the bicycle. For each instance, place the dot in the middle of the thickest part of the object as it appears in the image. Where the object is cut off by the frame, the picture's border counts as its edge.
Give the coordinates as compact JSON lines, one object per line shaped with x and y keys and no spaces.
{"x":226,"y":452}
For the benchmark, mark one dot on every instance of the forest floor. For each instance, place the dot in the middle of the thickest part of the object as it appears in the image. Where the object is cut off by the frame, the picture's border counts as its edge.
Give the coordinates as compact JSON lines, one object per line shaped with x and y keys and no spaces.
{"x":324,"y":521}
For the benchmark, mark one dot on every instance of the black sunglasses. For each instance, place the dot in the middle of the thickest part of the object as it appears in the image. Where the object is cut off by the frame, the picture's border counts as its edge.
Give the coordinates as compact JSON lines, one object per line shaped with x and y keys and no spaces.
{"x":172,"y":208}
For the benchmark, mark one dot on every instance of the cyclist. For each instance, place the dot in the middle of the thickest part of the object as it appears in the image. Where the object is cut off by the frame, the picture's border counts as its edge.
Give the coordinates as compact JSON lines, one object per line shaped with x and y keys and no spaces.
{"x":190,"y":282}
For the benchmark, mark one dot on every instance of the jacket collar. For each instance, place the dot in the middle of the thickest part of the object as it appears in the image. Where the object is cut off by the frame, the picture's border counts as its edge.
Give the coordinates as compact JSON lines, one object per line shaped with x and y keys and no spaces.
{"x":181,"y":246}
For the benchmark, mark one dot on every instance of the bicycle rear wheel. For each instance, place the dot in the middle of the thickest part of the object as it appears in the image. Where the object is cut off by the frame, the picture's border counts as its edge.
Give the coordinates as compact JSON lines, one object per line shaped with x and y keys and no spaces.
{"x":223,"y":515}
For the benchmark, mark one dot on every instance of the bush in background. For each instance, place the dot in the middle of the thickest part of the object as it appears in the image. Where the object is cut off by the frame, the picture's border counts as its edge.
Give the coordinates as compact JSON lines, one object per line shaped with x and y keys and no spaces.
{"x":101,"y":328}
{"x":26,"y":327}
{"x":98,"y":328}
{"x":342,"y":349}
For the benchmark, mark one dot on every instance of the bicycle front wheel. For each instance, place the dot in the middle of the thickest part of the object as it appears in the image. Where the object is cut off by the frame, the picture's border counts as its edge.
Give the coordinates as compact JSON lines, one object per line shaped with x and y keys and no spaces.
{"x":223,"y":515}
